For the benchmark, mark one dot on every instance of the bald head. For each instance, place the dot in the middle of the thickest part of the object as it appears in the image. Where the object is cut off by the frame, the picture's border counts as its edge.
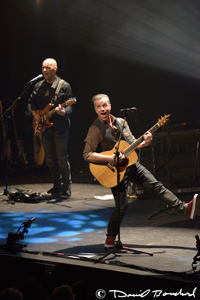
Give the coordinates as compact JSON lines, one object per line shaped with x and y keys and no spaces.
{"x":49,"y":69}
{"x":50,"y":61}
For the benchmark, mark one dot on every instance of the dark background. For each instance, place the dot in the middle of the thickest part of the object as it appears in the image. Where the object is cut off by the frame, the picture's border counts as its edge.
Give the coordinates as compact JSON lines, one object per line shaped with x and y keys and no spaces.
{"x":141,"y":53}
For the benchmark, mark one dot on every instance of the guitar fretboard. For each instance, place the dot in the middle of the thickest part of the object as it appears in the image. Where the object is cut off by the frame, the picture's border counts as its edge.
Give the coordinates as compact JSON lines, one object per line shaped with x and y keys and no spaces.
{"x":51,"y":112}
{"x":133,"y":146}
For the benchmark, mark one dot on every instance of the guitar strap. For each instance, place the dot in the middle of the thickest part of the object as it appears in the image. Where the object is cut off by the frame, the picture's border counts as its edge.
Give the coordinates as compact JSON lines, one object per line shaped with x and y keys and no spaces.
{"x":126,"y":133}
{"x":54,"y":99}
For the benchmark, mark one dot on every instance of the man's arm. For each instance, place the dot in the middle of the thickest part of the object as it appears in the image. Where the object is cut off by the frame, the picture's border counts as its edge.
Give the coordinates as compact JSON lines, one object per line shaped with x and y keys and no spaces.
{"x":147,"y":137}
{"x":35,"y":116}
{"x":98,"y":158}
{"x":68,"y":94}
{"x":147,"y":140}
{"x":93,"y":139}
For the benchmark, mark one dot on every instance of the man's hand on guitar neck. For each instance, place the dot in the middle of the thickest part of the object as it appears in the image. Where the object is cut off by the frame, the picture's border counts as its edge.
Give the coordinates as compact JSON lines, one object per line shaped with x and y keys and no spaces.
{"x":147,"y":138}
{"x":59,"y":110}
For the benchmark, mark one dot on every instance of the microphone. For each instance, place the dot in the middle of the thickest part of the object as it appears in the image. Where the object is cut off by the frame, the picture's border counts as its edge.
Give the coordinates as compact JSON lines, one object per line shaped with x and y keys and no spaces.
{"x":28,"y":222}
{"x":128,"y":110}
{"x":36,"y":78}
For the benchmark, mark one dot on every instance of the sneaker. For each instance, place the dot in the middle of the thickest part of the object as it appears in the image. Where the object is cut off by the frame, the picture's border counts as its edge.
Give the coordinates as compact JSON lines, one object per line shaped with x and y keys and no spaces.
{"x":110,"y":243}
{"x":192,"y":207}
{"x":55,"y":191}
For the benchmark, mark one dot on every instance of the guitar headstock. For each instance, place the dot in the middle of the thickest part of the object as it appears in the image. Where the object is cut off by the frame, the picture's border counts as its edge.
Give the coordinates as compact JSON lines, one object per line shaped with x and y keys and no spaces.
{"x":163,"y":120}
{"x":70,"y":101}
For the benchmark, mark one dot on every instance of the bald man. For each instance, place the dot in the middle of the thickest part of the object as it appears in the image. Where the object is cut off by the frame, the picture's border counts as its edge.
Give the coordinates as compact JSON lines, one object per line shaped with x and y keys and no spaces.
{"x":56,"y":91}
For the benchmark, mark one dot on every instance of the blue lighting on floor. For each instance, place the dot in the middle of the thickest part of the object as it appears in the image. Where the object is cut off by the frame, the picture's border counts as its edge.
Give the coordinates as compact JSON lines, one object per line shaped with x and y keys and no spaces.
{"x":40,"y":240}
{"x":76,"y":223}
{"x":93,"y":216}
{"x":68,"y":233}
{"x":38,"y":230}
{"x":99,"y":223}
{"x":50,"y":227}
{"x":88,"y":230}
{"x":59,"y":220}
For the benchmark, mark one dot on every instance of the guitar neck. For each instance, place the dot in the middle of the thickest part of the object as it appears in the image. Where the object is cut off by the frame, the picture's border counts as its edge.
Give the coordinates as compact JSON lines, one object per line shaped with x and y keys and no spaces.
{"x":51,"y":112}
{"x":135,"y":144}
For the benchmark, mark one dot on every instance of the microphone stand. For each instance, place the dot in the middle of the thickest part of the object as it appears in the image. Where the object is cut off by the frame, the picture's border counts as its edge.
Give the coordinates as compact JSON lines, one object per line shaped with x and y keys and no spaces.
{"x":119,"y":246}
{"x":6,"y":190}
{"x":12,"y":244}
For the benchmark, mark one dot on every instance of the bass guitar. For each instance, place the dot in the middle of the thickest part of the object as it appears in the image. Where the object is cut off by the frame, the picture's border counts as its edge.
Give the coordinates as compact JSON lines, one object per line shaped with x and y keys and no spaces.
{"x":106,"y":174}
{"x":45,"y":115}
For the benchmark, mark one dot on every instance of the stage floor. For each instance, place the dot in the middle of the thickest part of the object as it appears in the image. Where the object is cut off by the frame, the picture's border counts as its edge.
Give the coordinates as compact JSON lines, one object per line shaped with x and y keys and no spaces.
{"x":73,"y":231}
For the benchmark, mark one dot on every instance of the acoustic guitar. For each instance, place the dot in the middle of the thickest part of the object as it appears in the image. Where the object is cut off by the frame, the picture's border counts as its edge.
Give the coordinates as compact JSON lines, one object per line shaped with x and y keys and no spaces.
{"x":106,"y":174}
{"x":45,"y":115}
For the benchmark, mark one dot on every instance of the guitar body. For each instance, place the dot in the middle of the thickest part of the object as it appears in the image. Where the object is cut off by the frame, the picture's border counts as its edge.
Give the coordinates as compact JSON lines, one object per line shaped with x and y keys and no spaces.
{"x":45,"y":115}
{"x":107,"y":176}
{"x":39,"y":128}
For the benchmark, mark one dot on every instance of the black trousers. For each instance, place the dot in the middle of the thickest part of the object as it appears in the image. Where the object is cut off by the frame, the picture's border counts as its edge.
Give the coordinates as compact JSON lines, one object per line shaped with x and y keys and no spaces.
{"x":56,"y":155}
{"x":138,"y":174}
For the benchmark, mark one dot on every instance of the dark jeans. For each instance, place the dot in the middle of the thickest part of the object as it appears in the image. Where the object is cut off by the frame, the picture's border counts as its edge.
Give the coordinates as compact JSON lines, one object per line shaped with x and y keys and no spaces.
{"x":56,"y":155}
{"x":139,"y":175}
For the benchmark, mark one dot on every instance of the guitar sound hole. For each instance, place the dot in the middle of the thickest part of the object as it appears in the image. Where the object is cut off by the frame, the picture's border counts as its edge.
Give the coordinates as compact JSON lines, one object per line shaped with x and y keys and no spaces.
{"x":124,"y":163}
